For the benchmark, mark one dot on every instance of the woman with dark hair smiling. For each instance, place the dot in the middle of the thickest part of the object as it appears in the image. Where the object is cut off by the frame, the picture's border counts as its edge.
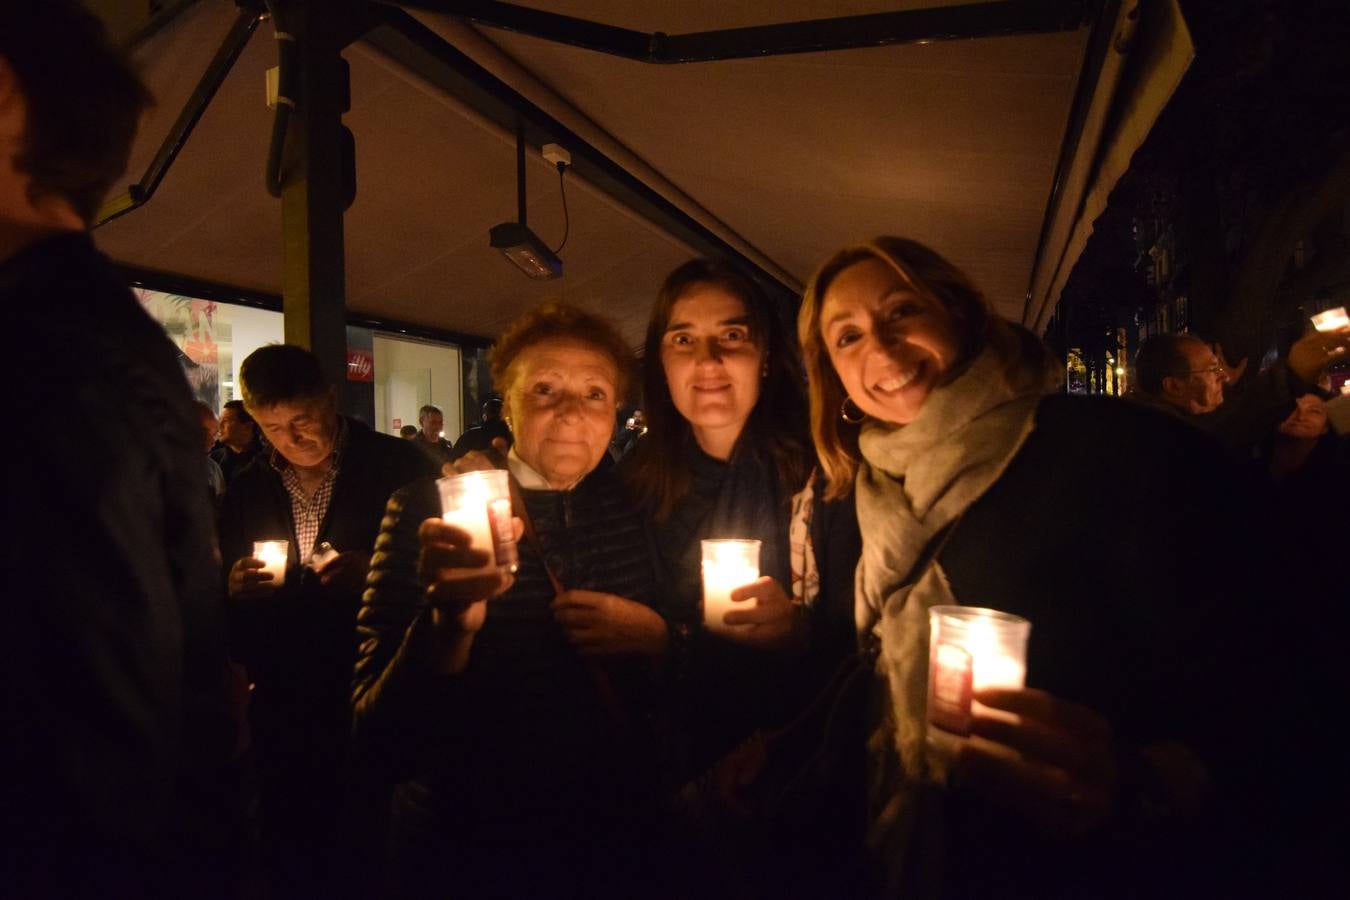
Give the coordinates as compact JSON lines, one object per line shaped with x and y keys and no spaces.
{"x":727,"y":456}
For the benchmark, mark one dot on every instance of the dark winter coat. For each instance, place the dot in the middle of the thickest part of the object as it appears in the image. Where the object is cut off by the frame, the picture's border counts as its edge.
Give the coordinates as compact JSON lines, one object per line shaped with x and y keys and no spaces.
{"x":517,"y":761}
{"x":1120,"y":534}
{"x":113,"y":685}
{"x":727,"y":689}
{"x":300,"y":643}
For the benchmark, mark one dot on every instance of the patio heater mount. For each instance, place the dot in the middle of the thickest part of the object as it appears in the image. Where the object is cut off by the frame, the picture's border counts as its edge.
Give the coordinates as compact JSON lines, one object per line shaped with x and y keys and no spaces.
{"x":515,"y":240}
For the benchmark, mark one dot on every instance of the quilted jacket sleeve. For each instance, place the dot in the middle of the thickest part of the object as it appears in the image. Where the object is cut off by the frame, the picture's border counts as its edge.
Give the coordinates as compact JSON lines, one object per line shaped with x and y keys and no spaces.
{"x":398,"y":696}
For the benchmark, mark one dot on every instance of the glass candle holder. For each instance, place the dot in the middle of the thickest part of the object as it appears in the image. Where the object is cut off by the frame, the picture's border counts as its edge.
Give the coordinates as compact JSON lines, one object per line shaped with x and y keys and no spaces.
{"x":479,"y":503}
{"x":727,"y":565}
{"x":1331,"y":320}
{"x":274,"y":555}
{"x":970,"y":649}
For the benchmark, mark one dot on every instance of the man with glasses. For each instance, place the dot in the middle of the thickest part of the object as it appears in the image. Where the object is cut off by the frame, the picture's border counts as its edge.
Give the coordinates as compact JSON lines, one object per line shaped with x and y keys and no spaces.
{"x":1182,"y":372}
{"x":1183,"y":375}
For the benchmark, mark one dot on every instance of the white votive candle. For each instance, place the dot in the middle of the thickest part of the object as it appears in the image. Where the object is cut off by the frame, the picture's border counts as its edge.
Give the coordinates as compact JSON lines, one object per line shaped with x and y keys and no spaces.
{"x":971,"y":649}
{"x":479,"y":503}
{"x":727,"y":565}
{"x":274,"y":556}
{"x":1331,"y":320}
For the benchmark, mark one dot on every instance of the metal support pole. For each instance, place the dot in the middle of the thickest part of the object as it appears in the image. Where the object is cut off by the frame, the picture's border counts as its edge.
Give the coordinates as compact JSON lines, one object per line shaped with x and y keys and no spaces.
{"x":313,"y":283}
{"x":520,"y":173}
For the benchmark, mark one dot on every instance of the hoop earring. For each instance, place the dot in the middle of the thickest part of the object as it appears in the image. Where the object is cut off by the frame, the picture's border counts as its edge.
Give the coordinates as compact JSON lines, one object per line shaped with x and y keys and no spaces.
{"x":843,"y":412}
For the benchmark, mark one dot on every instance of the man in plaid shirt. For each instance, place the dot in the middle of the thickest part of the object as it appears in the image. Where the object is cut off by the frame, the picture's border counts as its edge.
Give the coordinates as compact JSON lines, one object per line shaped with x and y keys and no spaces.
{"x":322,"y":489}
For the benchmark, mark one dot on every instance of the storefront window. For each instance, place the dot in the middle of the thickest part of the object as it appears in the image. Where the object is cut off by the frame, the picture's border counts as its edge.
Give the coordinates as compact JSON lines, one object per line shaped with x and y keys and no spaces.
{"x":213,"y":338}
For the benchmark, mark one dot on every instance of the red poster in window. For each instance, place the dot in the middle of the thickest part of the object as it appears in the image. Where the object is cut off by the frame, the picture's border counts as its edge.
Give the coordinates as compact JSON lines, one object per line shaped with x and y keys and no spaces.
{"x":360,"y":365}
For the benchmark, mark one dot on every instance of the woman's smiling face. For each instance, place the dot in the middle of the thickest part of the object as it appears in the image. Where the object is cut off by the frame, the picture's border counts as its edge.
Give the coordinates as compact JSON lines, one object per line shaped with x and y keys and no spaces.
{"x":891,"y":346}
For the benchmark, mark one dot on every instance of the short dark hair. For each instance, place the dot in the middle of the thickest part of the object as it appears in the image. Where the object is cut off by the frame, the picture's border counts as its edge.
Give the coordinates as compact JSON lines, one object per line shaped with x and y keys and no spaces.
{"x":775,"y":433}
{"x":1161,"y":356}
{"x":427,"y":409}
{"x":407,"y":431}
{"x":239,"y":410}
{"x":560,"y":321}
{"x":84,"y":101}
{"x":280,"y":373}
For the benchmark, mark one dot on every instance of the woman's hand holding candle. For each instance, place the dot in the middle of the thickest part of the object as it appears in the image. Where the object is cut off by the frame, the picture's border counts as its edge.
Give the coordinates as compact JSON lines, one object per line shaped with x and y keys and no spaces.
{"x":458,"y":602}
{"x":1051,"y":760}
{"x":600,"y":624}
{"x":771,"y":618}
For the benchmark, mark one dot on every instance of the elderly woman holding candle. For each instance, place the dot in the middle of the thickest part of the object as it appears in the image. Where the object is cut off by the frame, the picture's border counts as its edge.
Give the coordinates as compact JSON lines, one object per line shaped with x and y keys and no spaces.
{"x":976,"y":485}
{"x":508,"y":709}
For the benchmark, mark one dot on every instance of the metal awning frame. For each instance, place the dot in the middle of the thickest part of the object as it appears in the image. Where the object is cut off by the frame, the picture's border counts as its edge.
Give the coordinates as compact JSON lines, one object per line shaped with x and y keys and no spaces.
{"x":913,"y":26}
{"x":398,"y":35}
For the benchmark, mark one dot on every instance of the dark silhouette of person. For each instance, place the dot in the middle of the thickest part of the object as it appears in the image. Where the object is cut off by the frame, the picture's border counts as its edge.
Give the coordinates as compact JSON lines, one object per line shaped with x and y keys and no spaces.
{"x":115,"y":708}
{"x":481,"y":436}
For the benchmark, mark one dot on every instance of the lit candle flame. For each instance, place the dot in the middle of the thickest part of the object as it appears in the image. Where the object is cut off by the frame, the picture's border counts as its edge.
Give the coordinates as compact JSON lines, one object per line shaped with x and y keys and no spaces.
{"x":1331,"y":320}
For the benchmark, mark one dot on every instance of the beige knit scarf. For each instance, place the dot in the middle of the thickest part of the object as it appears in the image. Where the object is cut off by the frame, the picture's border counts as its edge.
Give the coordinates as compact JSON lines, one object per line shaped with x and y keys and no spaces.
{"x":916,"y":480}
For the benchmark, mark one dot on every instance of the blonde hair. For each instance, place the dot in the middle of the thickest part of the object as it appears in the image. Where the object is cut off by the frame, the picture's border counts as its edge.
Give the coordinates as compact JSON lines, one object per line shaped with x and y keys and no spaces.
{"x":1025,"y":359}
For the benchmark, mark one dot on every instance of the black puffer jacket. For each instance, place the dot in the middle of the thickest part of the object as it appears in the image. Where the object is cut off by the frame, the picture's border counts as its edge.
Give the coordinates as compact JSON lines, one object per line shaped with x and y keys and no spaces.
{"x":518,"y":754}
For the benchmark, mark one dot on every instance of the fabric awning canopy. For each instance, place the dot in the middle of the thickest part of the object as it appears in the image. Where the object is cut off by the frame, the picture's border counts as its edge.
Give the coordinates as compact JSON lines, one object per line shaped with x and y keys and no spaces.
{"x":784,"y":159}
{"x":1149,"y":53}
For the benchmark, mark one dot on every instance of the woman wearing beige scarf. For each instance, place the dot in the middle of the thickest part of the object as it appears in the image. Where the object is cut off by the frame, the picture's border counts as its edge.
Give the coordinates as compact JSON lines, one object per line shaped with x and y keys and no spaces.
{"x":977,"y":484}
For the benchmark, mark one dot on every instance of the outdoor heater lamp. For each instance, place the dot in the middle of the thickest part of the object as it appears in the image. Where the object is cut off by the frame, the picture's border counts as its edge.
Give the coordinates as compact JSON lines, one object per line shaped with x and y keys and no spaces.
{"x":524,"y":248}
{"x":515,"y":240}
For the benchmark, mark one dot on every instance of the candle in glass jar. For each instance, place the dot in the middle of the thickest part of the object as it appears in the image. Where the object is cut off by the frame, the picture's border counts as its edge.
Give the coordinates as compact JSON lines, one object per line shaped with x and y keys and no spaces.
{"x":479,"y":503}
{"x":971,"y":649}
{"x":274,"y":556}
{"x":1331,"y":320}
{"x":727,"y":565}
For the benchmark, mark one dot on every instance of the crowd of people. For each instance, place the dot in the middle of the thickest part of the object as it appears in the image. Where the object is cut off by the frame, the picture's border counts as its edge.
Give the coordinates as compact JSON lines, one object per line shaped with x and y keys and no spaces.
{"x":428,"y":434}
{"x":369,"y":706}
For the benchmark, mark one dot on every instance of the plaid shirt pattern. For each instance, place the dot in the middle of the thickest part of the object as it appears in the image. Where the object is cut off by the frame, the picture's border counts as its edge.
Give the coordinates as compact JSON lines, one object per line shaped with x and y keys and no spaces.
{"x":307,"y":512}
